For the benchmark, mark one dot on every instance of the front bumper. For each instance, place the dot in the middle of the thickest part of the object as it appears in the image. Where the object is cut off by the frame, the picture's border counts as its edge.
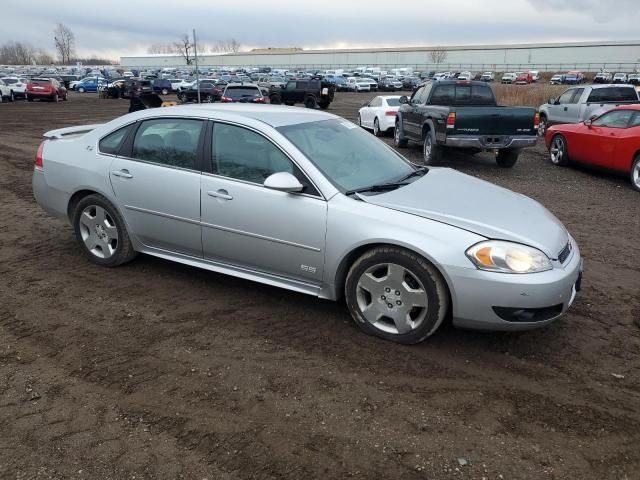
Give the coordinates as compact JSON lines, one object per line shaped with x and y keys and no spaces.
{"x":491,"y":141}
{"x":479,"y":296}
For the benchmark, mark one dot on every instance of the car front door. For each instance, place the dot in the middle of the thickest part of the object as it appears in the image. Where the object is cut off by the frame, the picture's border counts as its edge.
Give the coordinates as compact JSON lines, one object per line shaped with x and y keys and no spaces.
{"x":601,"y":141}
{"x":558,"y":111}
{"x":410,"y":117}
{"x":249,"y":226}
{"x":156,"y":180}
{"x":572,"y":109}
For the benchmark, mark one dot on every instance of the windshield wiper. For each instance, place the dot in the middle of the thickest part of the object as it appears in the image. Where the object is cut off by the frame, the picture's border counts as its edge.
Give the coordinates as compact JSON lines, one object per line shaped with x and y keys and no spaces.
{"x":421,"y":171}
{"x":382,"y":187}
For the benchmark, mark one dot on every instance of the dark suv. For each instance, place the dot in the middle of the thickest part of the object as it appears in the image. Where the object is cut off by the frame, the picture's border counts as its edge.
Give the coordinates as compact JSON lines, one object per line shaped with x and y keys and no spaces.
{"x":210,"y":92}
{"x":311,"y":92}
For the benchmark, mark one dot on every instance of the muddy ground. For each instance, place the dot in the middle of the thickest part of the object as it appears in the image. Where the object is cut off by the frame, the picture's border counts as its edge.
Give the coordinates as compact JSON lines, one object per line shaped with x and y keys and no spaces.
{"x":157,"y":370}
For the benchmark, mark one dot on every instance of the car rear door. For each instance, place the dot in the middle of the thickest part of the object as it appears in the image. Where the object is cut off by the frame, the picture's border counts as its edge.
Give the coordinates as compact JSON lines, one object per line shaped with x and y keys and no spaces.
{"x":249,"y":226}
{"x":156,"y":179}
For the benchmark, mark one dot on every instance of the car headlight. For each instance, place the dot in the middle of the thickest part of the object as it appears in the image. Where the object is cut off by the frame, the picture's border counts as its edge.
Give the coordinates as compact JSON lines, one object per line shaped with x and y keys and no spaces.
{"x":508,"y":257}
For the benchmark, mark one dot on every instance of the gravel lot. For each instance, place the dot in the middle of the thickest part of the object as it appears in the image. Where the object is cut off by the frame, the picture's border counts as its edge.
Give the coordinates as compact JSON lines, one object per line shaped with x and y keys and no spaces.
{"x":157,"y":370}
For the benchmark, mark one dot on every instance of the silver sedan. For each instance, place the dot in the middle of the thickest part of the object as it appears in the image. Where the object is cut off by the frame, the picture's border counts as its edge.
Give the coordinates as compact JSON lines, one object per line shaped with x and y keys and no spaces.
{"x":308,"y":201}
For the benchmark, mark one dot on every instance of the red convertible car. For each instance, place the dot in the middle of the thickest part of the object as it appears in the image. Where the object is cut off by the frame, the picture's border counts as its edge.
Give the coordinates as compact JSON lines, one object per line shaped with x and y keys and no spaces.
{"x":610,"y":141}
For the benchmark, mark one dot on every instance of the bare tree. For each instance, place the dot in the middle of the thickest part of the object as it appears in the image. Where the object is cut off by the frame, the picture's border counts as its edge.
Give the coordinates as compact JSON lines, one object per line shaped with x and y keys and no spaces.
{"x":42,"y":57}
{"x":17,"y":53}
{"x":184,"y":47}
{"x":65,"y":43}
{"x":160,"y":48}
{"x":438,"y":55}
{"x":225,"y":46}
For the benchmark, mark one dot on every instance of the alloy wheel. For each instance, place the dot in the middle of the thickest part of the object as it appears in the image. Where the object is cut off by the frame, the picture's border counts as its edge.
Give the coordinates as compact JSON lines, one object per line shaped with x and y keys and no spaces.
{"x":376,"y":128}
{"x":99,"y":232}
{"x":635,"y":175}
{"x":557,"y":150}
{"x":391,"y":298}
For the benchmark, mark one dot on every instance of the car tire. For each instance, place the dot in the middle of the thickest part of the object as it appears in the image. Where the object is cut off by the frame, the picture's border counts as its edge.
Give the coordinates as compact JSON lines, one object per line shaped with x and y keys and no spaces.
{"x":543,"y":125}
{"x":507,"y":158}
{"x":398,"y":138}
{"x":209,"y":99}
{"x":94,"y":221}
{"x":431,"y":151}
{"x":310,"y":102}
{"x":66,"y":97}
{"x":12,"y":97}
{"x":376,"y":128}
{"x":396,"y":295}
{"x":81,"y":90}
{"x":558,"y":152}
{"x":275,"y":99}
{"x":324,"y":105}
{"x":55,"y":98}
{"x":360,"y":121}
{"x":635,"y":173}
{"x":165,"y":91}
{"x":29,"y":98}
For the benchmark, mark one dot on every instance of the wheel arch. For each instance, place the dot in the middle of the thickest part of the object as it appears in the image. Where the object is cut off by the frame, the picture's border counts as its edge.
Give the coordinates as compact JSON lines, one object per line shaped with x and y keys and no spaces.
{"x":427,"y":126}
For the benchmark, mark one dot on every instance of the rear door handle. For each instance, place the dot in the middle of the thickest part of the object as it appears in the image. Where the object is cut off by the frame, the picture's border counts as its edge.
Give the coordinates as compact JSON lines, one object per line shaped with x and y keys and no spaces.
{"x":124,"y":173}
{"x":220,"y":194}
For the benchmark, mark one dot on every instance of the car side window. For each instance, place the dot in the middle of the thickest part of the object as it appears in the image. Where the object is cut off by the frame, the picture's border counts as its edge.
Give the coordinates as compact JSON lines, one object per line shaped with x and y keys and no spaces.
{"x":243,"y":154}
{"x":425,"y":93}
{"x":614,"y":119}
{"x":577,"y":95}
{"x":291,"y":86}
{"x":444,"y":95}
{"x":567,"y":96}
{"x":635,"y":120}
{"x":169,"y":141}
{"x":416,"y":95}
{"x":111,"y":143}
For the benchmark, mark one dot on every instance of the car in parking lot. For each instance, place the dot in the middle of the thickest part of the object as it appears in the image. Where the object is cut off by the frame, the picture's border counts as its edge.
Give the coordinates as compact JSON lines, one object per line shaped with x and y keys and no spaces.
{"x":557,"y":79}
{"x":389,"y":84}
{"x":610,"y":141}
{"x":634,"y":79}
{"x":89,"y":84}
{"x":523,"y":78}
{"x":603,"y":77}
{"x":210,"y":91}
{"x":580,"y":103}
{"x":620,"y":78}
{"x":17,"y":85}
{"x":488,"y":77}
{"x":357,"y":84}
{"x":508,"y":78}
{"x":6,"y":92}
{"x":379,"y":115}
{"x":46,"y":89}
{"x":574,"y":77}
{"x":307,"y":201}
{"x":242,"y":93}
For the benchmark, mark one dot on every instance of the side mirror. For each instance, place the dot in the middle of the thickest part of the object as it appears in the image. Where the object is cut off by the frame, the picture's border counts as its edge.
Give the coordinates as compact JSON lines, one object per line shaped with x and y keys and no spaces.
{"x":403,"y":100}
{"x":283,"y":182}
{"x":552,"y":100}
{"x":588,"y":123}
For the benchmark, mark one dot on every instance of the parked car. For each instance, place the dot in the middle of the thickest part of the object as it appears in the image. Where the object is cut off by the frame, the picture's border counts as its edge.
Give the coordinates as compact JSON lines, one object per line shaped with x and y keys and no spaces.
{"x":379,"y":115}
{"x":313,"y":92}
{"x":508,"y":78}
{"x":574,"y":77}
{"x":578,"y":104}
{"x":389,"y":84}
{"x":210,"y":91}
{"x":610,"y":141}
{"x":89,"y":84}
{"x":410,"y":83}
{"x":46,"y":88}
{"x":464,"y":115}
{"x":309,"y":202}
{"x":535,"y":76}
{"x":6,"y":92}
{"x":18,"y":85}
{"x":357,"y":84}
{"x":465,"y":76}
{"x":634,"y":79}
{"x":373,"y":85}
{"x":270,"y":82}
{"x":603,"y":77}
{"x":242,"y":93}
{"x":523,"y":78}
{"x":620,"y":78}
{"x":557,"y":79}
{"x":161,"y":86}
{"x":488,"y":77}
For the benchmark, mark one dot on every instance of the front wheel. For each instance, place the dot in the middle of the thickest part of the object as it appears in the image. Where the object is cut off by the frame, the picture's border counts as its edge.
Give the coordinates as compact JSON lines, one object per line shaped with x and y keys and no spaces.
{"x":558,"y":153}
{"x":507,"y":158}
{"x":101,"y":232}
{"x":398,"y":140}
{"x":275,"y":99}
{"x":81,"y":90}
{"x":396,"y":295}
{"x":635,"y":173}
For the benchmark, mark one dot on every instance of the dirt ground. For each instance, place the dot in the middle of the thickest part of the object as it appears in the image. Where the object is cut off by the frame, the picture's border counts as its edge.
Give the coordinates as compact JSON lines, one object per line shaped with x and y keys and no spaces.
{"x":157,"y":370}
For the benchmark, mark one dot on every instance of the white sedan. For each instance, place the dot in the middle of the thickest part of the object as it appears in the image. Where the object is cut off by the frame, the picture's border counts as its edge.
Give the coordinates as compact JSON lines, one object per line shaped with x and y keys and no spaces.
{"x":379,"y":114}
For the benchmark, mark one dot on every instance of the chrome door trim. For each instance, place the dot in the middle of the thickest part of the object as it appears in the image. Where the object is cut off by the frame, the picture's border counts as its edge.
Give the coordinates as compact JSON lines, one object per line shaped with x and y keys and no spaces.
{"x":160,"y":214}
{"x":260,"y":185}
{"x":261,"y":237}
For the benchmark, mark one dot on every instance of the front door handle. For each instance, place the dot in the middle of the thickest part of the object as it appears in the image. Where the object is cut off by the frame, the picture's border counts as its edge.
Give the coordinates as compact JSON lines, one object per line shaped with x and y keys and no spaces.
{"x":566,"y":109}
{"x":124,"y":173}
{"x":223,"y":194}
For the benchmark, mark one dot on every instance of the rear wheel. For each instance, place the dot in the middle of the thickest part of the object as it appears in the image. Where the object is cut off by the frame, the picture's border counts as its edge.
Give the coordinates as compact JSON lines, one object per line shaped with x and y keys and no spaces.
{"x":12,"y":97}
{"x":55,"y":98}
{"x":29,"y":98}
{"x":431,"y":151}
{"x":81,"y":90}
{"x":542,"y":127}
{"x":507,"y":158}
{"x":310,"y":102}
{"x":397,"y":295}
{"x":635,"y":173}
{"x":208,"y":99}
{"x":275,"y":99}
{"x":324,"y":105}
{"x":101,"y":232}
{"x":376,"y":128}
{"x":398,"y":139}
{"x":558,"y":153}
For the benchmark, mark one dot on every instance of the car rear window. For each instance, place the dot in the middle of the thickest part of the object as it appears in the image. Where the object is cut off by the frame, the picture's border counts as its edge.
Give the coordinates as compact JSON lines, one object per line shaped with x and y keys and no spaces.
{"x":239,"y":92}
{"x":462,"y":95}
{"x":41,"y":81}
{"x":613,"y":94}
{"x":393,"y":102}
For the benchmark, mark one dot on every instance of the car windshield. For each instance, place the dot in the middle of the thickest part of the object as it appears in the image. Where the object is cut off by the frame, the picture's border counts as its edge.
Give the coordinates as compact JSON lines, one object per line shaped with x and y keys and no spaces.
{"x":348,"y":156}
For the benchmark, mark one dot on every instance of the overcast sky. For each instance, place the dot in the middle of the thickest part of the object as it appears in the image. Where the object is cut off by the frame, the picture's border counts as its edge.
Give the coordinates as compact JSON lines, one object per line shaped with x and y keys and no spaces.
{"x":121,"y":27}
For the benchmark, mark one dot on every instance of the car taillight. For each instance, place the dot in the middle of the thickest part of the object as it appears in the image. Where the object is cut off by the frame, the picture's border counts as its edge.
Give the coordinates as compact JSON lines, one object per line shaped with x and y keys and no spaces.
{"x":224,"y":99}
{"x":451,"y":120}
{"x":260,"y":100}
{"x":536,"y":121}
{"x":39,"y":163}
{"x":390,"y":113}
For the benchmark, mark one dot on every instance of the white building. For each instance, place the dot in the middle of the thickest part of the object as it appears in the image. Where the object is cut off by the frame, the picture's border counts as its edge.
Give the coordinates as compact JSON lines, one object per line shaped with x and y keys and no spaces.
{"x":588,"y":56}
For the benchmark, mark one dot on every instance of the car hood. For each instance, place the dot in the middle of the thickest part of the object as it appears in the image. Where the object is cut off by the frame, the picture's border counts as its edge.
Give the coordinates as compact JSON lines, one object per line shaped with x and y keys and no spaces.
{"x":463,"y":201}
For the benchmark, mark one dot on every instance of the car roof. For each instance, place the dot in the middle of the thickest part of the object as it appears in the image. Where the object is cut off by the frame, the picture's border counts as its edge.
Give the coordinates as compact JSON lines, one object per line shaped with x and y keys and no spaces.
{"x":273,"y":115}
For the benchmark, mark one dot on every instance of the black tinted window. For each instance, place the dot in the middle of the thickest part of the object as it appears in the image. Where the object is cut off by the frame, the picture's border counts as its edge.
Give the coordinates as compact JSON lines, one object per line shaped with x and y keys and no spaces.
{"x":239,"y":92}
{"x":462,"y":95}
{"x":111,"y":143}
{"x":613,"y":94}
{"x":444,"y":95}
{"x":169,"y":141}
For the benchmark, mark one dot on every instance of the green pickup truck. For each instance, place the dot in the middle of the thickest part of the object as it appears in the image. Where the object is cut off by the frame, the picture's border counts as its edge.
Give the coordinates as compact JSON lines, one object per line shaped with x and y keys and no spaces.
{"x":464,"y":115}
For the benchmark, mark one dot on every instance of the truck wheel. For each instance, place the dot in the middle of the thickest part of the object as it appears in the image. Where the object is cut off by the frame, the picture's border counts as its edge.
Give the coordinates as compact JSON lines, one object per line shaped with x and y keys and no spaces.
{"x":542,"y":127}
{"x":398,"y":139}
{"x":431,"y":151}
{"x":324,"y":105}
{"x":310,"y":102}
{"x":507,"y":158}
{"x":275,"y":99}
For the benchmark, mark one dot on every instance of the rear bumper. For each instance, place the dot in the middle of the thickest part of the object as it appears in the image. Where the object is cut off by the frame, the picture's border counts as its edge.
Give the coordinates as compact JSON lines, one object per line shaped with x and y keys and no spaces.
{"x":504,"y":302}
{"x":51,"y":200}
{"x":491,"y":141}
{"x":40,"y":94}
